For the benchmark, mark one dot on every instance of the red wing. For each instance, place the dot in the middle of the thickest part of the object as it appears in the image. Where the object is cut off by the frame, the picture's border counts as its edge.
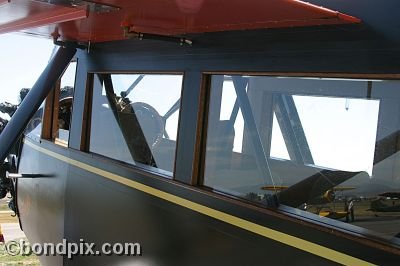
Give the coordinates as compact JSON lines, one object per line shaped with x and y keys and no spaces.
{"x":165,"y":17}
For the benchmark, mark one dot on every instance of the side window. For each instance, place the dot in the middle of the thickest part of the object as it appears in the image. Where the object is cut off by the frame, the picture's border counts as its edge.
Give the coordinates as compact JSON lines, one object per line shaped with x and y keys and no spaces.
{"x":52,"y":120}
{"x":135,"y":118}
{"x":57,"y":109}
{"x":34,"y":128}
{"x":329,"y":147}
{"x":63,"y":112}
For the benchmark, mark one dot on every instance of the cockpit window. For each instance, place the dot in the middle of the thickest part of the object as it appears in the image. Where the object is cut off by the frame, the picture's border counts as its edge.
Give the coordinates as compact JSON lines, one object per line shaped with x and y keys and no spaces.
{"x":64,"y":95}
{"x":329,"y":147}
{"x":33,"y":129}
{"x":52,"y":121}
{"x":135,"y":118}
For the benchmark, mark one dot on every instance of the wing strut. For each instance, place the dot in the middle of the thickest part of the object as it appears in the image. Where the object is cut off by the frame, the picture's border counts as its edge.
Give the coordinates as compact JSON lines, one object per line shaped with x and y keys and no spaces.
{"x":34,"y":99}
{"x":240,"y":85}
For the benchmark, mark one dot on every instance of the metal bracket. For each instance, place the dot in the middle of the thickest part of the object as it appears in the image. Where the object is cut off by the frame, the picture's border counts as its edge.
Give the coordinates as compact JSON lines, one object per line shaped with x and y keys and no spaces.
{"x":69,"y":44}
{"x":128,"y":33}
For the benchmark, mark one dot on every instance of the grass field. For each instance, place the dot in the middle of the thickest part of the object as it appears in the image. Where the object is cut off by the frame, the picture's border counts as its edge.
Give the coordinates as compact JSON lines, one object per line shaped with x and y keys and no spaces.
{"x":8,"y":260}
{"x":7,"y":218}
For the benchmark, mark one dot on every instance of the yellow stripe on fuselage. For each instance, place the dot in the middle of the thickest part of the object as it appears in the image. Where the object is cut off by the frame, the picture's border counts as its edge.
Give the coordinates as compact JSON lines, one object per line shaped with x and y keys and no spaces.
{"x":275,"y":235}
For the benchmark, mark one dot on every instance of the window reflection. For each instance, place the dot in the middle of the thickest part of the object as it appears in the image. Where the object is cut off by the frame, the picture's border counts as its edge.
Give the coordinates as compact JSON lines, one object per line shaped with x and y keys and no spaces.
{"x":135,"y":118}
{"x":326,"y":146}
{"x":33,"y":129}
{"x":345,"y":127}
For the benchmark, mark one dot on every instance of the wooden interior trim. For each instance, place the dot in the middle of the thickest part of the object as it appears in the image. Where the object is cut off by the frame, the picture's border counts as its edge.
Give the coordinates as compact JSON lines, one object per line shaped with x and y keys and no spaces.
{"x":56,"y":101}
{"x":47,"y":123}
{"x":201,"y":134}
{"x":87,"y":114}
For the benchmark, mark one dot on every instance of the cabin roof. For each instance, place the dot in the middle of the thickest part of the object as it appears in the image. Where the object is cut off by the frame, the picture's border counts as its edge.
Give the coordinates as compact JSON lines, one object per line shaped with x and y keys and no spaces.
{"x":105,"y":20}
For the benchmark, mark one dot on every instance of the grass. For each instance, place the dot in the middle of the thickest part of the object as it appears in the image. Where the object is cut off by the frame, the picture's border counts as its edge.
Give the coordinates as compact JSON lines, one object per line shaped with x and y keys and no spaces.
{"x":19,"y":260}
{"x":4,"y":207}
{"x":8,"y":260}
{"x":7,"y":218}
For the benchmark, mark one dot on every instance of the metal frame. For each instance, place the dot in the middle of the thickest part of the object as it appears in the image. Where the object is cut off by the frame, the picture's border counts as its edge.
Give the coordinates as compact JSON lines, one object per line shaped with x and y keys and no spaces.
{"x":292,"y":129}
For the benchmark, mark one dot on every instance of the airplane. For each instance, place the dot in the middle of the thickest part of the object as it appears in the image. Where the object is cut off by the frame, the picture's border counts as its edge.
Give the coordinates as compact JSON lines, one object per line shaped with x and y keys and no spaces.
{"x":328,"y":197}
{"x":386,"y":202}
{"x":182,"y":108}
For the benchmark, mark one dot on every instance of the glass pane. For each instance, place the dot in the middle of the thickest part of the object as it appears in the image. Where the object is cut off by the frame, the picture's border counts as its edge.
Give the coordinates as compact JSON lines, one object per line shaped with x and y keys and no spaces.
{"x":34,"y":128}
{"x":135,"y":118}
{"x":230,"y":153}
{"x":326,"y":146}
{"x":61,"y":134}
{"x":348,"y":131}
{"x":278,"y":145}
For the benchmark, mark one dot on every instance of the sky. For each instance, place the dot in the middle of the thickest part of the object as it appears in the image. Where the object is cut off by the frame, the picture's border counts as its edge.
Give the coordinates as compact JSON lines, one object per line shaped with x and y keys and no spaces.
{"x":22,"y":60}
{"x":341,"y":130}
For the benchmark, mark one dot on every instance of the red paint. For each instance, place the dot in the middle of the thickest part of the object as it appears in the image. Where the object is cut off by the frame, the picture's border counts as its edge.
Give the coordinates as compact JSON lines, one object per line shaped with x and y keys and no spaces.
{"x":29,"y":14}
{"x":3,"y":2}
{"x":167,"y":17}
